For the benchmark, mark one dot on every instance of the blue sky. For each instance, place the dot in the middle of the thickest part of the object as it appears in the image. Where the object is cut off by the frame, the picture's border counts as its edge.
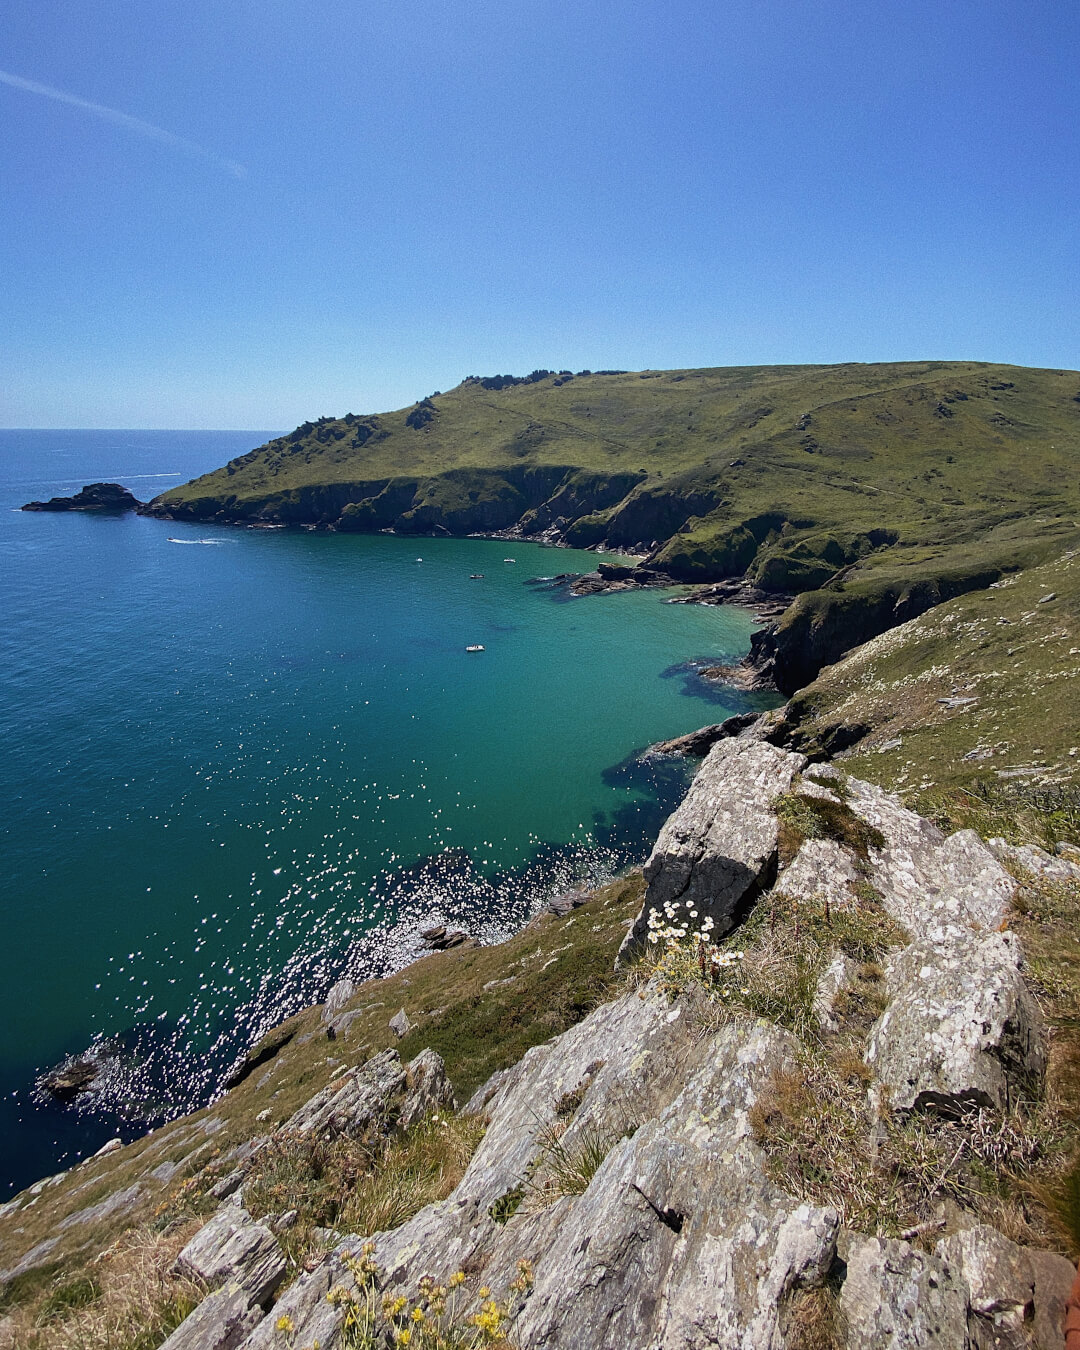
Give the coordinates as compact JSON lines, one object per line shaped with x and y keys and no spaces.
{"x":252,"y":213}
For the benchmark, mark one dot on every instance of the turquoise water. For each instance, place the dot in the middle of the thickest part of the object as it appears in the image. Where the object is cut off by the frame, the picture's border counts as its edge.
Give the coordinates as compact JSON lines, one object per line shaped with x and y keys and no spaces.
{"x":229,"y":752}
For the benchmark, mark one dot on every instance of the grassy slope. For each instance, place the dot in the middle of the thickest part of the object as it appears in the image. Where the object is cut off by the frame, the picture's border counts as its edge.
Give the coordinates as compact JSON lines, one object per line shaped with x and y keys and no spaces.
{"x":939,"y":451}
{"x":481,"y":1008}
{"x":1017,"y":659}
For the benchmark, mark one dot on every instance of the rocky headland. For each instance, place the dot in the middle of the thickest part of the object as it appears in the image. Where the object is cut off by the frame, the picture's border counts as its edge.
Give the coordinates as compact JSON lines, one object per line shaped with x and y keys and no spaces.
{"x":807,"y":1081}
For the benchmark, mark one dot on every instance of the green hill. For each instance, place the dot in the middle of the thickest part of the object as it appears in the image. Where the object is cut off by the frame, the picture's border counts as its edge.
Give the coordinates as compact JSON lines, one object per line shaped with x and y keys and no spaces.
{"x":894,"y":485}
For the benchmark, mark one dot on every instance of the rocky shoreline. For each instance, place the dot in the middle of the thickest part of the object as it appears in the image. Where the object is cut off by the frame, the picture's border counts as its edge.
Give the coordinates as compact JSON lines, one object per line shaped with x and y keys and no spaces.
{"x":703,"y":1221}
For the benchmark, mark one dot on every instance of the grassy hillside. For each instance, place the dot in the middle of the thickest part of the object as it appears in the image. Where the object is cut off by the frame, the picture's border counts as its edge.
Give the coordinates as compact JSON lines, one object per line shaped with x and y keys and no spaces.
{"x":895,"y":486}
{"x":795,"y":469}
{"x":973,"y":709}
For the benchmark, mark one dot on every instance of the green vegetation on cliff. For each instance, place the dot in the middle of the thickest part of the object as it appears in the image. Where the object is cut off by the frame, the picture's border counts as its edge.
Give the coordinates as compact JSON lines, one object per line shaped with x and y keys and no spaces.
{"x":795,"y":472}
{"x":872,"y":491}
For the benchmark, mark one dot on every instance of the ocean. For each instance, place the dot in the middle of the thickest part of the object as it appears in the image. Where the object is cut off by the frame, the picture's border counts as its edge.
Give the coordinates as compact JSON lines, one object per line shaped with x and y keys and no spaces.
{"x":238,"y":763}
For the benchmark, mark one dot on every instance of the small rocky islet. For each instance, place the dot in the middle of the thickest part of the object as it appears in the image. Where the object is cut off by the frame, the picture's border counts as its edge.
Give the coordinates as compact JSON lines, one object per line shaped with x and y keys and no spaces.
{"x":100,"y":497}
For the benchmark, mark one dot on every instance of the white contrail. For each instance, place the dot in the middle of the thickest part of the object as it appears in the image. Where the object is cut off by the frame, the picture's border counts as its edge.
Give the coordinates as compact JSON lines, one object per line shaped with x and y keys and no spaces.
{"x":120,"y":119}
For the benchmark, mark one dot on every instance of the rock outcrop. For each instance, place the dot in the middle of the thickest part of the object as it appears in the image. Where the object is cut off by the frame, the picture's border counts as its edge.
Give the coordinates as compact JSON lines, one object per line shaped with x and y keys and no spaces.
{"x":626,"y":1162}
{"x":720,"y":846}
{"x":961,"y":1028}
{"x":94,"y":497}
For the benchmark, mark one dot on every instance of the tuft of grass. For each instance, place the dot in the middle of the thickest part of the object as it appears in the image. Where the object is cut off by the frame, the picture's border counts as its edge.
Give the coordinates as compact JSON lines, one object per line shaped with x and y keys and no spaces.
{"x":770,"y":966}
{"x":128,"y":1298}
{"x":812,"y":1319}
{"x":895,"y":1174}
{"x":803,"y":817}
{"x":68,"y":1296}
{"x":358,"y":1186}
{"x":567,"y":1169}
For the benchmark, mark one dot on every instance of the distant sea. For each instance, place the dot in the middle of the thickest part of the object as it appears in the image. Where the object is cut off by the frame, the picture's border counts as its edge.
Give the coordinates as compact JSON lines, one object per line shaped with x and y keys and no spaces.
{"x":238,"y":763}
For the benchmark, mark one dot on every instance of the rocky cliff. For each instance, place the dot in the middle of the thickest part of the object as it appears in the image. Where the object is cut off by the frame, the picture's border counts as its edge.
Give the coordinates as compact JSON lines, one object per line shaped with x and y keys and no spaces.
{"x":825,"y":1109}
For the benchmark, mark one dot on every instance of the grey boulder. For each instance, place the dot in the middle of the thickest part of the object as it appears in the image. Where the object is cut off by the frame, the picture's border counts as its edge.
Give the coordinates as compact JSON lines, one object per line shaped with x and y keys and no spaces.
{"x":232,"y":1248}
{"x":720,"y":844}
{"x":357,"y":1101}
{"x":427,"y":1089}
{"x":961,"y":1028}
{"x":1016,"y":1295}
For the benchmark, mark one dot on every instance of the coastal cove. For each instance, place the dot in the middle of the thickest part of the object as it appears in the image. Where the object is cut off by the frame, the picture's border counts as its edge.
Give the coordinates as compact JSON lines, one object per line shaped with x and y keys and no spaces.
{"x":230,"y":751}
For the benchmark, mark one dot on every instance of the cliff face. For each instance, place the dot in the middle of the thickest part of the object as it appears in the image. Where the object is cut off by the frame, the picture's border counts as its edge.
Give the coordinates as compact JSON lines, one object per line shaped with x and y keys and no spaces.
{"x":827,"y":1129}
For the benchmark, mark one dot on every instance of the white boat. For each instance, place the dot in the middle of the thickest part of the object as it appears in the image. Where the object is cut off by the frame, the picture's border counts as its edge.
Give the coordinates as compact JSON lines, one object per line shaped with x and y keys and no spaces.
{"x":476,"y":576}
{"x":513,"y":560}
{"x":419,"y":560}
{"x":476,"y":647}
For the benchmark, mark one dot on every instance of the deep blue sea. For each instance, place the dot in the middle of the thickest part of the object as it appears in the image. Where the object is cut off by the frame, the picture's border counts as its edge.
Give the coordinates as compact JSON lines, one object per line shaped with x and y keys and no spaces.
{"x":239,"y":763}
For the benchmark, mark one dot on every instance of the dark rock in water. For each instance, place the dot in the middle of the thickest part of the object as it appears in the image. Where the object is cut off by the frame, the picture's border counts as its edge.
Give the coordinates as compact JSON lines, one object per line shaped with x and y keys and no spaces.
{"x":93,"y":497}
{"x":615,"y":572}
{"x":66,"y":1082}
{"x":698,"y":743}
{"x":441,"y":940}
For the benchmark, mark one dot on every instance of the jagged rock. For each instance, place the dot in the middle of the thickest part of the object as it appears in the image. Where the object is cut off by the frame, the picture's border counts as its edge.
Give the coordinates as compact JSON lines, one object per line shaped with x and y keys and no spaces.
{"x":961,"y":1028}
{"x":427,"y":1088}
{"x":563,"y":904}
{"x":73,"y":1077}
{"x":1034,"y":859}
{"x":304,"y":1303}
{"x":337,"y":998}
{"x":1016,"y":1295}
{"x":441,"y":939}
{"x":400,"y":1025}
{"x":895,"y":1297}
{"x":222,"y":1321}
{"x":840,"y":974}
{"x":229,"y":1184}
{"x":679,"y":1240}
{"x":823,"y":871}
{"x":933,"y":885}
{"x":695,"y":743}
{"x":720,"y":845}
{"x":354,"y":1103}
{"x":232,"y":1248}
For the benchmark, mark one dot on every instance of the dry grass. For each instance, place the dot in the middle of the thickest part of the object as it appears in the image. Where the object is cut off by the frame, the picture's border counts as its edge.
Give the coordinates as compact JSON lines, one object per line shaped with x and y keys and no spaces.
{"x":812,"y":1319}
{"x":896,"y":1175}
{"x":358,"y":1186}
{"x":128,"y":1298}
{"x":772,"y":963}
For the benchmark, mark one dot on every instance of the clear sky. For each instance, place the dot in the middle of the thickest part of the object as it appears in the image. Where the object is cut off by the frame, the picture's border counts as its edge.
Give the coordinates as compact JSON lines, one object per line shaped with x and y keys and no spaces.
{"x":247,"y":213}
